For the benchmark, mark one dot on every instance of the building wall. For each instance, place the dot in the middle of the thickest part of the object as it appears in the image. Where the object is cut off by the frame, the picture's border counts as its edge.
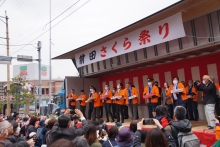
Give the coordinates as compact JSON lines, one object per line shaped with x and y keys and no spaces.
{"x":199,"y":32}
{"x":31,"y":71}
{"x":193,"y":68}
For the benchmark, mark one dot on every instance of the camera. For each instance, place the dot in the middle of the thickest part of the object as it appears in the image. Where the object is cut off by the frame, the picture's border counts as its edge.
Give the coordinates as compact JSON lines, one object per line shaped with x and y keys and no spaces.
{"x":72,"y":112}
{"x":74,"y":117}
{"x":148,"y":121}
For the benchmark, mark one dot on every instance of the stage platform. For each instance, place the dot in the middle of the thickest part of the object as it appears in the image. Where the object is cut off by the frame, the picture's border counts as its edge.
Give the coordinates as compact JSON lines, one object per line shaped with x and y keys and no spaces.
{"x":200,"y":129}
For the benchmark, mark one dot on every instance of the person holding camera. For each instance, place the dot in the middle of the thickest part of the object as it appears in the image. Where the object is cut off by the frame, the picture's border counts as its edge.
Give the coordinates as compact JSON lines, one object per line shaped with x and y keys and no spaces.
{"x":72,"y":99}
{"x":155,"y":137}
{"x":178,"y":92}
{"x":63,"y":128}
{"x":209,"y":98}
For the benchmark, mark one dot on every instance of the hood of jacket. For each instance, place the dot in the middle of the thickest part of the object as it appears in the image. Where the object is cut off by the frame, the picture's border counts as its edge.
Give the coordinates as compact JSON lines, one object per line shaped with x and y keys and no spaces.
{"x":182,"y":125}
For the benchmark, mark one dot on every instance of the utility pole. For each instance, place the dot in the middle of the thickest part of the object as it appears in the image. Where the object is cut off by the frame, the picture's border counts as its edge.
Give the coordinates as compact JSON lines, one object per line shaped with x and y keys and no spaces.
{"x":50,"y":87}
{"x":39,"y":72}
{"x":8,"y":67}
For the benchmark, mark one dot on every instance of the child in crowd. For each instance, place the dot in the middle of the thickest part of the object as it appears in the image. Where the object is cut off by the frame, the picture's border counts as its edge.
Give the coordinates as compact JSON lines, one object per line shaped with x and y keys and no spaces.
{"x":103,"y":125}
{"x":161,"y":114}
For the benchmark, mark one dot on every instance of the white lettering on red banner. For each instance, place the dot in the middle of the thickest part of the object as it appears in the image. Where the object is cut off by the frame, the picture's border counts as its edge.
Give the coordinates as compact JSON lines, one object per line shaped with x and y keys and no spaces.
{"x":162,"y":31}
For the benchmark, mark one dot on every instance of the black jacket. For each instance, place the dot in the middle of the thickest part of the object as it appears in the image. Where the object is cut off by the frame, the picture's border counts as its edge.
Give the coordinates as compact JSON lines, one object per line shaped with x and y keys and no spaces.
{"x":30,"y":129}
{"x":180,"y":126}
{"x":209,"y":93}
{"x":68,"y":133}
{"x":170,"y":140}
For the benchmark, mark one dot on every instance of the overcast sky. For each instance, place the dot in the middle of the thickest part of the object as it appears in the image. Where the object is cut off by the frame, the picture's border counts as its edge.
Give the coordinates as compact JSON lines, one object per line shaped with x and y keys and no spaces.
{"x":97,"y":18}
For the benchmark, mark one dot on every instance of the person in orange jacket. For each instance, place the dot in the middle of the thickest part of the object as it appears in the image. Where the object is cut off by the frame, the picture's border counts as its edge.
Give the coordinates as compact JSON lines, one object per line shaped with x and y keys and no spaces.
{"x":192,"y":106}
{"x":178,"y":92}
{"x":152,"y":102}
{"x":131,"y":95}
{"x":168,"y":101}
{"x":72,"y":99}
{"x":107,"y":94}
{"x":120,"y":103}
{"x":82,"y":102}
{"x":91,"y":103}
{"x":96,"y":110}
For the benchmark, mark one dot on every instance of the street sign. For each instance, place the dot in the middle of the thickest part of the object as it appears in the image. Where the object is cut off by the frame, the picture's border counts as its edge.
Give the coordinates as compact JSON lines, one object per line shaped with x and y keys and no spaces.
{"x":24,"y":58}
{"x":5,"y":59}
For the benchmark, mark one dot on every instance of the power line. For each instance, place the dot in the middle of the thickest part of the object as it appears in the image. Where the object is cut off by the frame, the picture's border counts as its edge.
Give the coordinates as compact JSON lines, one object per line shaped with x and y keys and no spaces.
{"x":35,"y":25}
{"x":2,"y":3}
{"x":52,"y":26}
{"x":62,"y":13}
{"x":17,"y":44}
{"x":52,"y":20}
{"x":17,"y":8}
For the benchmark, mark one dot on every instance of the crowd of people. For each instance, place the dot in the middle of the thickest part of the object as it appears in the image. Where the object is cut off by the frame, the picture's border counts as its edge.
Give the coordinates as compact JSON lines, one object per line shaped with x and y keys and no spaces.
{"x":31,"y":131}
{"x":119,"y":100}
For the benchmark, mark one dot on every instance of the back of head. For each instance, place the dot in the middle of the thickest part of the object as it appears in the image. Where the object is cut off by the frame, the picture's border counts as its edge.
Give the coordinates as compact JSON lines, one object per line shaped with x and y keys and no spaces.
{"x":91,"y":135}
{"x":161,"y":111}
{"x":10,"y":119}
{"x":21,"y":144}
{"x":62,"y":143}
{"x":179,"y":113}
{"x":51,"y":123}
{"x":96,"y":123}
{"x":16,"y":115}
{"x":113,"y":132}
{"x":80,"y":142}
{"x":63,"y":121}
{"x":14,"y":125}
{"x":101,"y":121}
{"x":155,"y":138}
{"x":5,"y":129}
{"x":32,"y":121}
{"x":133,"y":126}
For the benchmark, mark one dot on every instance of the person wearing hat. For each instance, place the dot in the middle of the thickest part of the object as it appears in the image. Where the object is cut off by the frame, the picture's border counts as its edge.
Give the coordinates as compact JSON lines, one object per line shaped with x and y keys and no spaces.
{"x":131,"y":95}
{"x":124,"y":137}
{"x":120,"y":103}
{"x":107,"y":94}
{"x":118,"y":124}
{"x":72,"y":99}
{"x":178,"y":92}
{"x":82,"y":102}
{"x":153,"y":100}
{"x":209,"y":99}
